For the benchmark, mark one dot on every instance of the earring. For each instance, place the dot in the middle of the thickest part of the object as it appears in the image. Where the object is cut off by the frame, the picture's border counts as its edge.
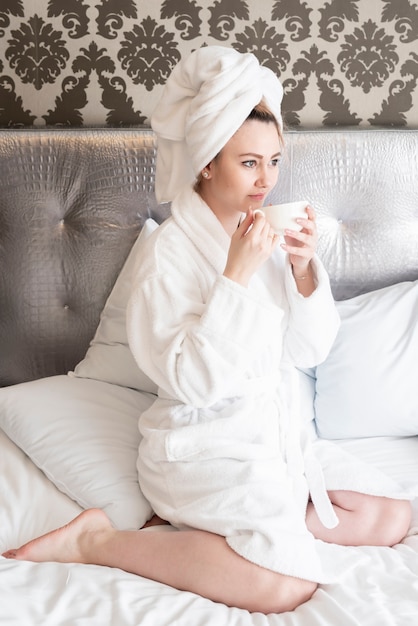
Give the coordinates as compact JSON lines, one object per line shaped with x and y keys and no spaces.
{"x":205,"y":174}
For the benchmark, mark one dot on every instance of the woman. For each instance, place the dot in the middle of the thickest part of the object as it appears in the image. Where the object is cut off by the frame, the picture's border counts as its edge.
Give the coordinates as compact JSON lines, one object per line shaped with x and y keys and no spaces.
{"x":221,"y":313}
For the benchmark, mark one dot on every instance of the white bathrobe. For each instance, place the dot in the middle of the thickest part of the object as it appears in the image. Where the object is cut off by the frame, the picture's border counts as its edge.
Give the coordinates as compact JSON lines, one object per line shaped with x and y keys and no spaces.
{"x":222,"y":447}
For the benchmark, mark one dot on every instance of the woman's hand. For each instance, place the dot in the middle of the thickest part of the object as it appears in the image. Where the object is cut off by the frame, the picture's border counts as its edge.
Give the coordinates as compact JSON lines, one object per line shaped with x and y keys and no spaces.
{"x":251,"y":245}
{"x":301,"y":247}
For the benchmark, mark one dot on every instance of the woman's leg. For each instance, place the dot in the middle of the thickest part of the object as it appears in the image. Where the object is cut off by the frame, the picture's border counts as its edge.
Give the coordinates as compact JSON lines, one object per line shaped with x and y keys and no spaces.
{"x":193,"y":560}
{"x":364,"y":520}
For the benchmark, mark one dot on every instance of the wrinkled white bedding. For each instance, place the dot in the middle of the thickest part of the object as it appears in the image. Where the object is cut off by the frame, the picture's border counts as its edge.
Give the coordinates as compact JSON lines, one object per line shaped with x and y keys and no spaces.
{"x":379,"y":586}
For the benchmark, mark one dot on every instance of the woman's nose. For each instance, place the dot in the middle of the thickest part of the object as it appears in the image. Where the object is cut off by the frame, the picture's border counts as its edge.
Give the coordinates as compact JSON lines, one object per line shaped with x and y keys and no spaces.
{"x":263,"y":178}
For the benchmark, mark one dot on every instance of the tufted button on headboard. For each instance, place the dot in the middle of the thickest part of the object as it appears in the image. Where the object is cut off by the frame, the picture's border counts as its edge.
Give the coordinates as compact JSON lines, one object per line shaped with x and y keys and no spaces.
{"x":73,"y":201}
{"x":71,"y":205}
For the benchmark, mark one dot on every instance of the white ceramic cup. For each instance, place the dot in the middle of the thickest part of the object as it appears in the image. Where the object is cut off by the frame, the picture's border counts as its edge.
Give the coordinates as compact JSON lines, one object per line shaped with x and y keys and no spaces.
{"x":282,"y":216}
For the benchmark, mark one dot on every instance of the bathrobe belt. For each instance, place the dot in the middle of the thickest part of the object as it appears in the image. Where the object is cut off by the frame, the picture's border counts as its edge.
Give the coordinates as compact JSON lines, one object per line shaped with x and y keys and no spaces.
{"x":299,"y":454}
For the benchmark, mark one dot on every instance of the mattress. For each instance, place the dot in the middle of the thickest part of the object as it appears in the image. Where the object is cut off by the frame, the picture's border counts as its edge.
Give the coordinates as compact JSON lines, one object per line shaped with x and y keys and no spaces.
{"x":378,"y":587}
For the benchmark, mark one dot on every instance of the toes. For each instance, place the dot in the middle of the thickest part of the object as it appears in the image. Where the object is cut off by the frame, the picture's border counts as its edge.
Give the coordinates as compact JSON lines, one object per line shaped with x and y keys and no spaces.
{"x":10,"y":554}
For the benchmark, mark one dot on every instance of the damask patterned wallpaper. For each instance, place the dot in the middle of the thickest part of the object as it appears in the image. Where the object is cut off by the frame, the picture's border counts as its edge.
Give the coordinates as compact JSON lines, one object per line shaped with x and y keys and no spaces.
{"x":103,"y":62}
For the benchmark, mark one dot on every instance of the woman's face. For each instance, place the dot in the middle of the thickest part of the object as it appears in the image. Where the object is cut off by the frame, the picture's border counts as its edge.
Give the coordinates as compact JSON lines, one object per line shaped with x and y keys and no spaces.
{"x":243,"y":173}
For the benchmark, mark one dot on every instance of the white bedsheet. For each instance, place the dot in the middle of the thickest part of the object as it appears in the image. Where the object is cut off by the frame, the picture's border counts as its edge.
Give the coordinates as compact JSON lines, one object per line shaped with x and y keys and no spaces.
{"x":379,"y":586}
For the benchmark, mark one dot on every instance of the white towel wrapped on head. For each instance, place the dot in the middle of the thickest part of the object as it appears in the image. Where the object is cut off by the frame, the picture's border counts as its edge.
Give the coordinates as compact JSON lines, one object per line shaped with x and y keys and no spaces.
{"x":206,"y":99}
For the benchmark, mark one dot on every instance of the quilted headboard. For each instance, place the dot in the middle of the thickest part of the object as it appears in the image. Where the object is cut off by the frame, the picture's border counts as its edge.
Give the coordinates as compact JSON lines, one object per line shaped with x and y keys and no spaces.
{"x":364,"y":187}
{"x":73,"y":201}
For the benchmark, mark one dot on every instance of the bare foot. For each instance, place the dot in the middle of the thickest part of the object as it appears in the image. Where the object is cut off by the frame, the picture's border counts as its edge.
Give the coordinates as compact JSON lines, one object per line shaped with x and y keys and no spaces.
{"x":64,"y":545}
{"x":155,"y":521}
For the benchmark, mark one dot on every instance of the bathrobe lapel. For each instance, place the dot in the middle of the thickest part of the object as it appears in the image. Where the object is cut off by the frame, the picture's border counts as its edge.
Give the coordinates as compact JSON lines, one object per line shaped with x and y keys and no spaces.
{"x":206,"y":232}
{"x":202,"y":227}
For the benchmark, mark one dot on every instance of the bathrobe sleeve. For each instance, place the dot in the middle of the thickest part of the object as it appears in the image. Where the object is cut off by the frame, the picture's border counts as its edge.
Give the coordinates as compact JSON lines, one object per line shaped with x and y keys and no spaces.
{"x":195,"y":333}
{"x":313,"y":321}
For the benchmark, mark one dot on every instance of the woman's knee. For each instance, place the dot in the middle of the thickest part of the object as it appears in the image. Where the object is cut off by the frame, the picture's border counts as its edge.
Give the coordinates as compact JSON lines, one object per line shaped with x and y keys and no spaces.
{"x":373,"y":520}
{"x":296,"y":592}
{"x":277,"y":593}
{"x":385,"y":521}
{"x":393,"y":521}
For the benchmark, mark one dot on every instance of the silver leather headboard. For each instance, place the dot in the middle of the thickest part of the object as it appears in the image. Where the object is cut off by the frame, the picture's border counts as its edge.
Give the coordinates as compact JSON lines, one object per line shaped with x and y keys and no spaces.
{"x":73,"y":201}
{"x":364,"y":187}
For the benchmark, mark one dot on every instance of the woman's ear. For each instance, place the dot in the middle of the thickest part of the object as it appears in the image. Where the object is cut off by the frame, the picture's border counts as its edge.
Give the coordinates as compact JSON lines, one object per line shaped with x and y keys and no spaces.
{"x":207,"y":171}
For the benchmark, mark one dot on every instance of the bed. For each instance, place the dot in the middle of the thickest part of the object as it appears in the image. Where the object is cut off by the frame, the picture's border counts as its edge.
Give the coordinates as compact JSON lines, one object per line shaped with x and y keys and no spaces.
{"x":75,"y":207}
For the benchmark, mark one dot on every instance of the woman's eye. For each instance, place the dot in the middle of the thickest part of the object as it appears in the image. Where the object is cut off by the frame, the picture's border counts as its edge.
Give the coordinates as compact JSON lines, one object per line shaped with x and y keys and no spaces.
{"x":274,"y":162}
{"x":250,"y":163}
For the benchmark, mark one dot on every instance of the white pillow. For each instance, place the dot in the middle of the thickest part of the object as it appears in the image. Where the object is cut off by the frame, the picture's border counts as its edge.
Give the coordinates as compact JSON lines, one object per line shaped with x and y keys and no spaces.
{"x":306,"y":394}
{"x":83,"y":434}
{"x":367,"y":387}
{"x":109,"y":357}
